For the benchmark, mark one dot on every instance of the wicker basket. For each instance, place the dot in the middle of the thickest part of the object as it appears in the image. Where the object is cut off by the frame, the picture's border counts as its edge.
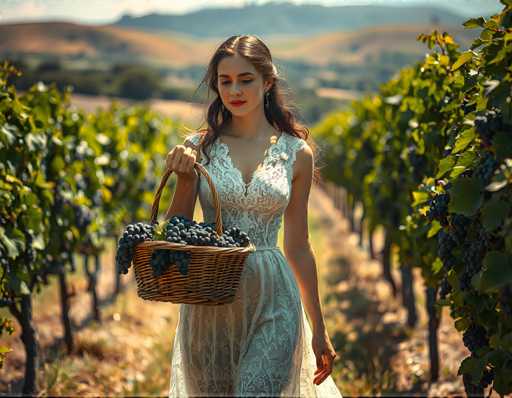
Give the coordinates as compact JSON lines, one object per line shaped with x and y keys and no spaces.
{"x":213,"y":272}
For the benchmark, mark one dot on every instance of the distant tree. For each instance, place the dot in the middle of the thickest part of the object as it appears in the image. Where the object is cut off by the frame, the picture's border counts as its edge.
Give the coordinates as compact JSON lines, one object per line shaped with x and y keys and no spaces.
{"x":52,"y":65}
{"x":138,"y":83}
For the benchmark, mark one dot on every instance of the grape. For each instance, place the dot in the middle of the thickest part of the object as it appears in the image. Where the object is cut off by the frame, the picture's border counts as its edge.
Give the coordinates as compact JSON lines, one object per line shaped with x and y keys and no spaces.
{"x":445,"y":245}
{"x":485,"y":170}
{"x":460,"y":225}
{"x":439,"y":208}
{"x":475,"y":337}
{"x":131,"y":237}
{"x":163,"y":259}
{"x":160,"y":261}
{"x":472,"y":257}
{"x":182,"y":230}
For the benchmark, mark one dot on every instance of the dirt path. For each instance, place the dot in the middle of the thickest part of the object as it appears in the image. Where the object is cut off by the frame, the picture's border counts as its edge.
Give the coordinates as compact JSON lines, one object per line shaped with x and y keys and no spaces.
{"x":378,"y":353}
{"x":129,"y":353}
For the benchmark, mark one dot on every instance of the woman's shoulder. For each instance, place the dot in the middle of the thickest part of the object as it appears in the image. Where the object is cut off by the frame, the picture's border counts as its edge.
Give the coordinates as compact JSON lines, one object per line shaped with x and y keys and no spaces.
{"x":294,"y":142}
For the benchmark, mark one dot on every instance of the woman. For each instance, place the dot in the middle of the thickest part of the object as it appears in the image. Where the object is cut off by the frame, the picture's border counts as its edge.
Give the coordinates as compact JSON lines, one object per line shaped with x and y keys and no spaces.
{"x":255,"y":153}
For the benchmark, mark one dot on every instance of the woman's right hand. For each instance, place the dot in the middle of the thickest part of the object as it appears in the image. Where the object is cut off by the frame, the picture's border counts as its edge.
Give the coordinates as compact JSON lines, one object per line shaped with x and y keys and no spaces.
{"x":181,"y":160}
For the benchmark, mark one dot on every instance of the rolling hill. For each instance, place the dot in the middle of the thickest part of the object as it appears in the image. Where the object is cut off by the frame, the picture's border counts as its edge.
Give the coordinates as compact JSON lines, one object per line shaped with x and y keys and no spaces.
{"x":120,"y":44}
{"x":71,"y":40}
{"x":287,"y":19}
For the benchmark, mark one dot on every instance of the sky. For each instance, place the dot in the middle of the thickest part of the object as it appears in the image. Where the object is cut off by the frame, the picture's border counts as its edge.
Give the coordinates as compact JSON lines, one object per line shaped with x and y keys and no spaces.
{"x":106,"y":11}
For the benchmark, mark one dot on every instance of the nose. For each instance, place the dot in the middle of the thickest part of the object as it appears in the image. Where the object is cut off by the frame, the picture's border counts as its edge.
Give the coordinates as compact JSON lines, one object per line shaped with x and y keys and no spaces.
{"x":234,"y":89}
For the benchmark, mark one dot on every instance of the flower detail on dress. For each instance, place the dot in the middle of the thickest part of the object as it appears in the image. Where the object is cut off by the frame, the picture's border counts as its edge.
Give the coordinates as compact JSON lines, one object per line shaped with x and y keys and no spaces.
{"x":276,"y":153}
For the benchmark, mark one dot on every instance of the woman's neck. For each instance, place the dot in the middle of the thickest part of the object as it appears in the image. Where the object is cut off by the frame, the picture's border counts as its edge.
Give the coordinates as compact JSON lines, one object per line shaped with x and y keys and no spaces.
{"x":249,"y":127}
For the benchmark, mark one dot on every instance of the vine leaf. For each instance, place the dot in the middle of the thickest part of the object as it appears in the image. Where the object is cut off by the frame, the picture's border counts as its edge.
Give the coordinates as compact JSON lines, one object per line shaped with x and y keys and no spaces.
{"x":464,"y":57}
{"x":503,"y":145}
{"x":474,"y":23}
{"x":9,"y":244}
{"x":498,"y":271}
{"x":502,"y":381}
{"x":445,"y":164}
{"x":472,"y":366}
{"x":494,"y":212}
{"x":464,"y":139}
{"x":466,"y":196}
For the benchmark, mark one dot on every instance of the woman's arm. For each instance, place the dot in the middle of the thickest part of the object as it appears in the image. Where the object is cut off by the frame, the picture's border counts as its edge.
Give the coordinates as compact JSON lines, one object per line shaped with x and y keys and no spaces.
{"x":297,"y":248}
{"x":185,"y":195}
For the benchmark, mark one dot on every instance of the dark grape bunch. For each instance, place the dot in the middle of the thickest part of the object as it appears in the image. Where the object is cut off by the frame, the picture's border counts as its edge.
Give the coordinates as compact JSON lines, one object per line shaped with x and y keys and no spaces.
{"x":163,"y":259}
{"x":486,"y":169}
{"x":439,"y":208}
{"x":472,"y":257}
{"x":179,"y":229}
{"x":132,"y":236}
{"x":475,"y":337}
{"x":445,"y":246}
{"x":459,"y":227}
{"x":182,"y":230}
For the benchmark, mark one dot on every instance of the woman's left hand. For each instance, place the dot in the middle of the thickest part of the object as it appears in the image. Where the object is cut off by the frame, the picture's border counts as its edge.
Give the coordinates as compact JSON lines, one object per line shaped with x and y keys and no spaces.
{"x":325,"y":355}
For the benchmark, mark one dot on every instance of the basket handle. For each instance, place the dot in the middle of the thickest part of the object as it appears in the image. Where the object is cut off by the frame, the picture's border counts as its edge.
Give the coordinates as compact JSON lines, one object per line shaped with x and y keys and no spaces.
{"x":199,"y":167}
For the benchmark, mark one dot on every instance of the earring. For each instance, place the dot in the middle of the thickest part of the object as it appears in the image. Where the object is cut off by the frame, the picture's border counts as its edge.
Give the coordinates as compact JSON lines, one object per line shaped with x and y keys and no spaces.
{"x":267,"y":99}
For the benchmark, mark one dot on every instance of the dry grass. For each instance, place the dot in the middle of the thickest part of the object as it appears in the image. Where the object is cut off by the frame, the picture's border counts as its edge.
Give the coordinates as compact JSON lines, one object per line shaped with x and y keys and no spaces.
{"x":189,"y":113}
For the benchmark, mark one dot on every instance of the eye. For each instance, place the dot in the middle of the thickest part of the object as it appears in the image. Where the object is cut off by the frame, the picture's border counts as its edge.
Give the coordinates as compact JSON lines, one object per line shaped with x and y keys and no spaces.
{"x":243,"y":81}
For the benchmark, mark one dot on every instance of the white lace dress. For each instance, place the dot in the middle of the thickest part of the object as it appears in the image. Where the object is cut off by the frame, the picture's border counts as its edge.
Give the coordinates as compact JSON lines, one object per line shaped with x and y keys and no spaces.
{"x":259,"y":345}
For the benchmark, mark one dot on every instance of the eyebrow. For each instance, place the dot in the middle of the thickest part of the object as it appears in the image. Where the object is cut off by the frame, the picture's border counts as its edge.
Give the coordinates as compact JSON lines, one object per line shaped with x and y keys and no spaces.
{"x":240,"y":74}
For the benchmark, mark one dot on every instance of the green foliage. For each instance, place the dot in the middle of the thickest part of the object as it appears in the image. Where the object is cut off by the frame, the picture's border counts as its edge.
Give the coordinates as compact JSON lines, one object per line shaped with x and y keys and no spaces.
{"x":138,"y":83}
{"x":69,"y":180}
{"x":430,"y":158}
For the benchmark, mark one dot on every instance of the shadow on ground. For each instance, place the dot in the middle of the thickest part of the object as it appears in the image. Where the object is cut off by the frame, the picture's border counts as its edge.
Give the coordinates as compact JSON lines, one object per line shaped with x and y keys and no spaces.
{"x":368,"y":335}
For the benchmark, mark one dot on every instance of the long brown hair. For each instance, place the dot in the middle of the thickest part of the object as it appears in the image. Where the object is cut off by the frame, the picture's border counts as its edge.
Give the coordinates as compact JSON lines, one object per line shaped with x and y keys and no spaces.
{"x":280,"y":111}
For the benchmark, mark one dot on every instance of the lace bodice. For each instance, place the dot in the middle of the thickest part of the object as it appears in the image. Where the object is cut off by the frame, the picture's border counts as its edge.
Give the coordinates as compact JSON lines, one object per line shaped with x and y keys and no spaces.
{"x":256,"y":207}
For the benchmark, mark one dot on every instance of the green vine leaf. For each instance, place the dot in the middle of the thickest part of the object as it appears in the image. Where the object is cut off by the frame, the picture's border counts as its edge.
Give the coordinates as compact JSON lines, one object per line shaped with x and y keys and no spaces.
{"x":466,"y":196}
{"x":497,"y":272}
{"x":503,"y":143}
{"x":494,"y":212}
{"x":464,"y":58}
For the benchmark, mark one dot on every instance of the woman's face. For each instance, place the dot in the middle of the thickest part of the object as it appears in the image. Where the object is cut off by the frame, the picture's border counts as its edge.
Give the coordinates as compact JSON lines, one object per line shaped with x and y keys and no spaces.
{"x":238,"y":80}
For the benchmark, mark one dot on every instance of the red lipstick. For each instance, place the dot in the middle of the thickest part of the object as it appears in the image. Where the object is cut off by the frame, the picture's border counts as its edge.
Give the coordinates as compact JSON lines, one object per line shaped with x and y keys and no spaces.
{"x":237,"y":103}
